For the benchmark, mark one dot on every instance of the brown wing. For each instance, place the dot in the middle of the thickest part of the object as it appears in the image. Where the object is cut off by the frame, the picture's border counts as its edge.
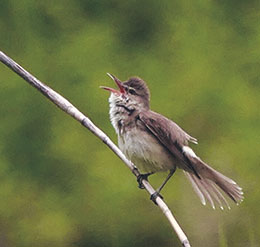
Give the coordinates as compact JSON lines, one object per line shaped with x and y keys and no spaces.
{"x":202,"y":177}
{"x":170,"y":135}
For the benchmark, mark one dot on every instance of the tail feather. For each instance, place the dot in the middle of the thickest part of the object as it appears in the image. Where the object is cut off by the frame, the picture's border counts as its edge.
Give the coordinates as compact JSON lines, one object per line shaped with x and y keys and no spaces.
{"x":196,"y":187}
{"x":207,"y":189}
{"x":228,"y":185}
{"x":205,"y":186}
{"x":220,"y":197}
{"x":201,"y":183}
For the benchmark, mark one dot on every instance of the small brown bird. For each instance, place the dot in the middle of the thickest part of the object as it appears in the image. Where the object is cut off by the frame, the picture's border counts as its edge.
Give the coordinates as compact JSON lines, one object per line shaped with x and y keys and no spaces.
{"x":155,"y":143}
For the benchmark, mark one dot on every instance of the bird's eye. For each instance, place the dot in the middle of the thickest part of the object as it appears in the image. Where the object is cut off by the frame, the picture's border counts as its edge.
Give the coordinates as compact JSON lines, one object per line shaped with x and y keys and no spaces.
{"x":132,"y":91}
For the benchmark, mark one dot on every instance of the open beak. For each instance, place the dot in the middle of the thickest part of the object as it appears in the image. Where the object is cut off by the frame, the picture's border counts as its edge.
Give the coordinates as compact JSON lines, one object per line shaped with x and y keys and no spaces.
{"x":118,"y":83}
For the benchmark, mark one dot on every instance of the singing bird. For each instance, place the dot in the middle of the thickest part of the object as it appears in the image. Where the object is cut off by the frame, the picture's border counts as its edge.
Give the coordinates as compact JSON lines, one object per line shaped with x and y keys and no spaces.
{"x":155,"y":143}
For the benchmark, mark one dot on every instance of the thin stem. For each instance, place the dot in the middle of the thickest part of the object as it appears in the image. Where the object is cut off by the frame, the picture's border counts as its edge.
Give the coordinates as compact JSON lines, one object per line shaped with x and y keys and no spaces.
{"x":66,"y":106}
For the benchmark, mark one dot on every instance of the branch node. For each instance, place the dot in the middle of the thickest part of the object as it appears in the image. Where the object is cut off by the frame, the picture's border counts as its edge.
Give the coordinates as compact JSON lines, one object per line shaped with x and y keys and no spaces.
{"x":186,"y":243}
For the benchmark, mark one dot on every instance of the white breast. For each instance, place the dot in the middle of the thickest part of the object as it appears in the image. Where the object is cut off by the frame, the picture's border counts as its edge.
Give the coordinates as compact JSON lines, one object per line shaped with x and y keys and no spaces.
{"x":145,"y":151}
{"x":139,"y":146}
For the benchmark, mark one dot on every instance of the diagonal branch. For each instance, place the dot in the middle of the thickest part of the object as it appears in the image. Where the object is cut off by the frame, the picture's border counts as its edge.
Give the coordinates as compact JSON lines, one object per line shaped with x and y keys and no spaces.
{"x":66,"y":106}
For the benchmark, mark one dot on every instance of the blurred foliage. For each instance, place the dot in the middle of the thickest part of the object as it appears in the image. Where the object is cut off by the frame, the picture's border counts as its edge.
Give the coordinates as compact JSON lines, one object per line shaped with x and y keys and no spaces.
{"x":60,"y":186}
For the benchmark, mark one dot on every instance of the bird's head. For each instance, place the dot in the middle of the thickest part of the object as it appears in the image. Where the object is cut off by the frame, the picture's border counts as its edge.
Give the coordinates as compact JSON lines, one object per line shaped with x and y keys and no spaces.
{"x":133,"y":93}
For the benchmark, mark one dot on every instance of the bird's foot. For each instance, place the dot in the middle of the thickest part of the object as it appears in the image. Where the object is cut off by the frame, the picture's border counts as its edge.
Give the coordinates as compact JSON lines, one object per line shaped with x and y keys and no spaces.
{"x":140,"y":179}
{"x":154,"y":196}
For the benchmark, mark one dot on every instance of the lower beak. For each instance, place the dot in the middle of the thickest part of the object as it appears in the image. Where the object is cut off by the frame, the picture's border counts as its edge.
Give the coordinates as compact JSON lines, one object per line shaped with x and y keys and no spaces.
{"x":119,"y":84}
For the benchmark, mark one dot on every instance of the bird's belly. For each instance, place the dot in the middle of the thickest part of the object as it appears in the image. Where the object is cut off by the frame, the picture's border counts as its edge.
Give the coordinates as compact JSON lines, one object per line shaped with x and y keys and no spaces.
{"x":145,"y":151}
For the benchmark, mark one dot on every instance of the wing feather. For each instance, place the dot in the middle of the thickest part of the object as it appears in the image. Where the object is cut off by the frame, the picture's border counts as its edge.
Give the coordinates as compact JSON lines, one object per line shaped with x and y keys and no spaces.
{"x":170,"y":135}
{"x":205,"y":180}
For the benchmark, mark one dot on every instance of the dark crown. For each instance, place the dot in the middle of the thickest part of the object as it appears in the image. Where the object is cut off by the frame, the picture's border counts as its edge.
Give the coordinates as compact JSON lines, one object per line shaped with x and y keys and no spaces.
{"x":140,"y":87}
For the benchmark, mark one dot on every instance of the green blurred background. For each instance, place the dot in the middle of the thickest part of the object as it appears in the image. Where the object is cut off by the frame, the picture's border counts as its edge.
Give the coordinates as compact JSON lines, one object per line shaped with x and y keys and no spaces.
{"x":59,"y":185}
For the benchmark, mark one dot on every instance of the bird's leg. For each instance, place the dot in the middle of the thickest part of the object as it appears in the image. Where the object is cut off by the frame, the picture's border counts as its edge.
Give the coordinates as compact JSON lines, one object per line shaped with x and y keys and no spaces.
{"x":142,"y":177}
{"x":157,"y":192}
{"x":167,"y":179}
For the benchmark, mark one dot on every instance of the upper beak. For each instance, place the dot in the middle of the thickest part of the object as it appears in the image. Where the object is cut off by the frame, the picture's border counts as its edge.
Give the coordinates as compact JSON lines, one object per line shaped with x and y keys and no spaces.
{"x":119,"y":84}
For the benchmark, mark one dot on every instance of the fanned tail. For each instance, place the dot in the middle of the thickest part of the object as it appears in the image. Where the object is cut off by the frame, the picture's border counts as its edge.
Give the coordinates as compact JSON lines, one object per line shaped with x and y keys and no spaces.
{"x":208,"y":183}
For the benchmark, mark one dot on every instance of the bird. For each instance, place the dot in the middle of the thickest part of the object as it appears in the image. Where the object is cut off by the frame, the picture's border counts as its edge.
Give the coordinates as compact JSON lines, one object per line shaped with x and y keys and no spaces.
{"x":155,"y":143}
